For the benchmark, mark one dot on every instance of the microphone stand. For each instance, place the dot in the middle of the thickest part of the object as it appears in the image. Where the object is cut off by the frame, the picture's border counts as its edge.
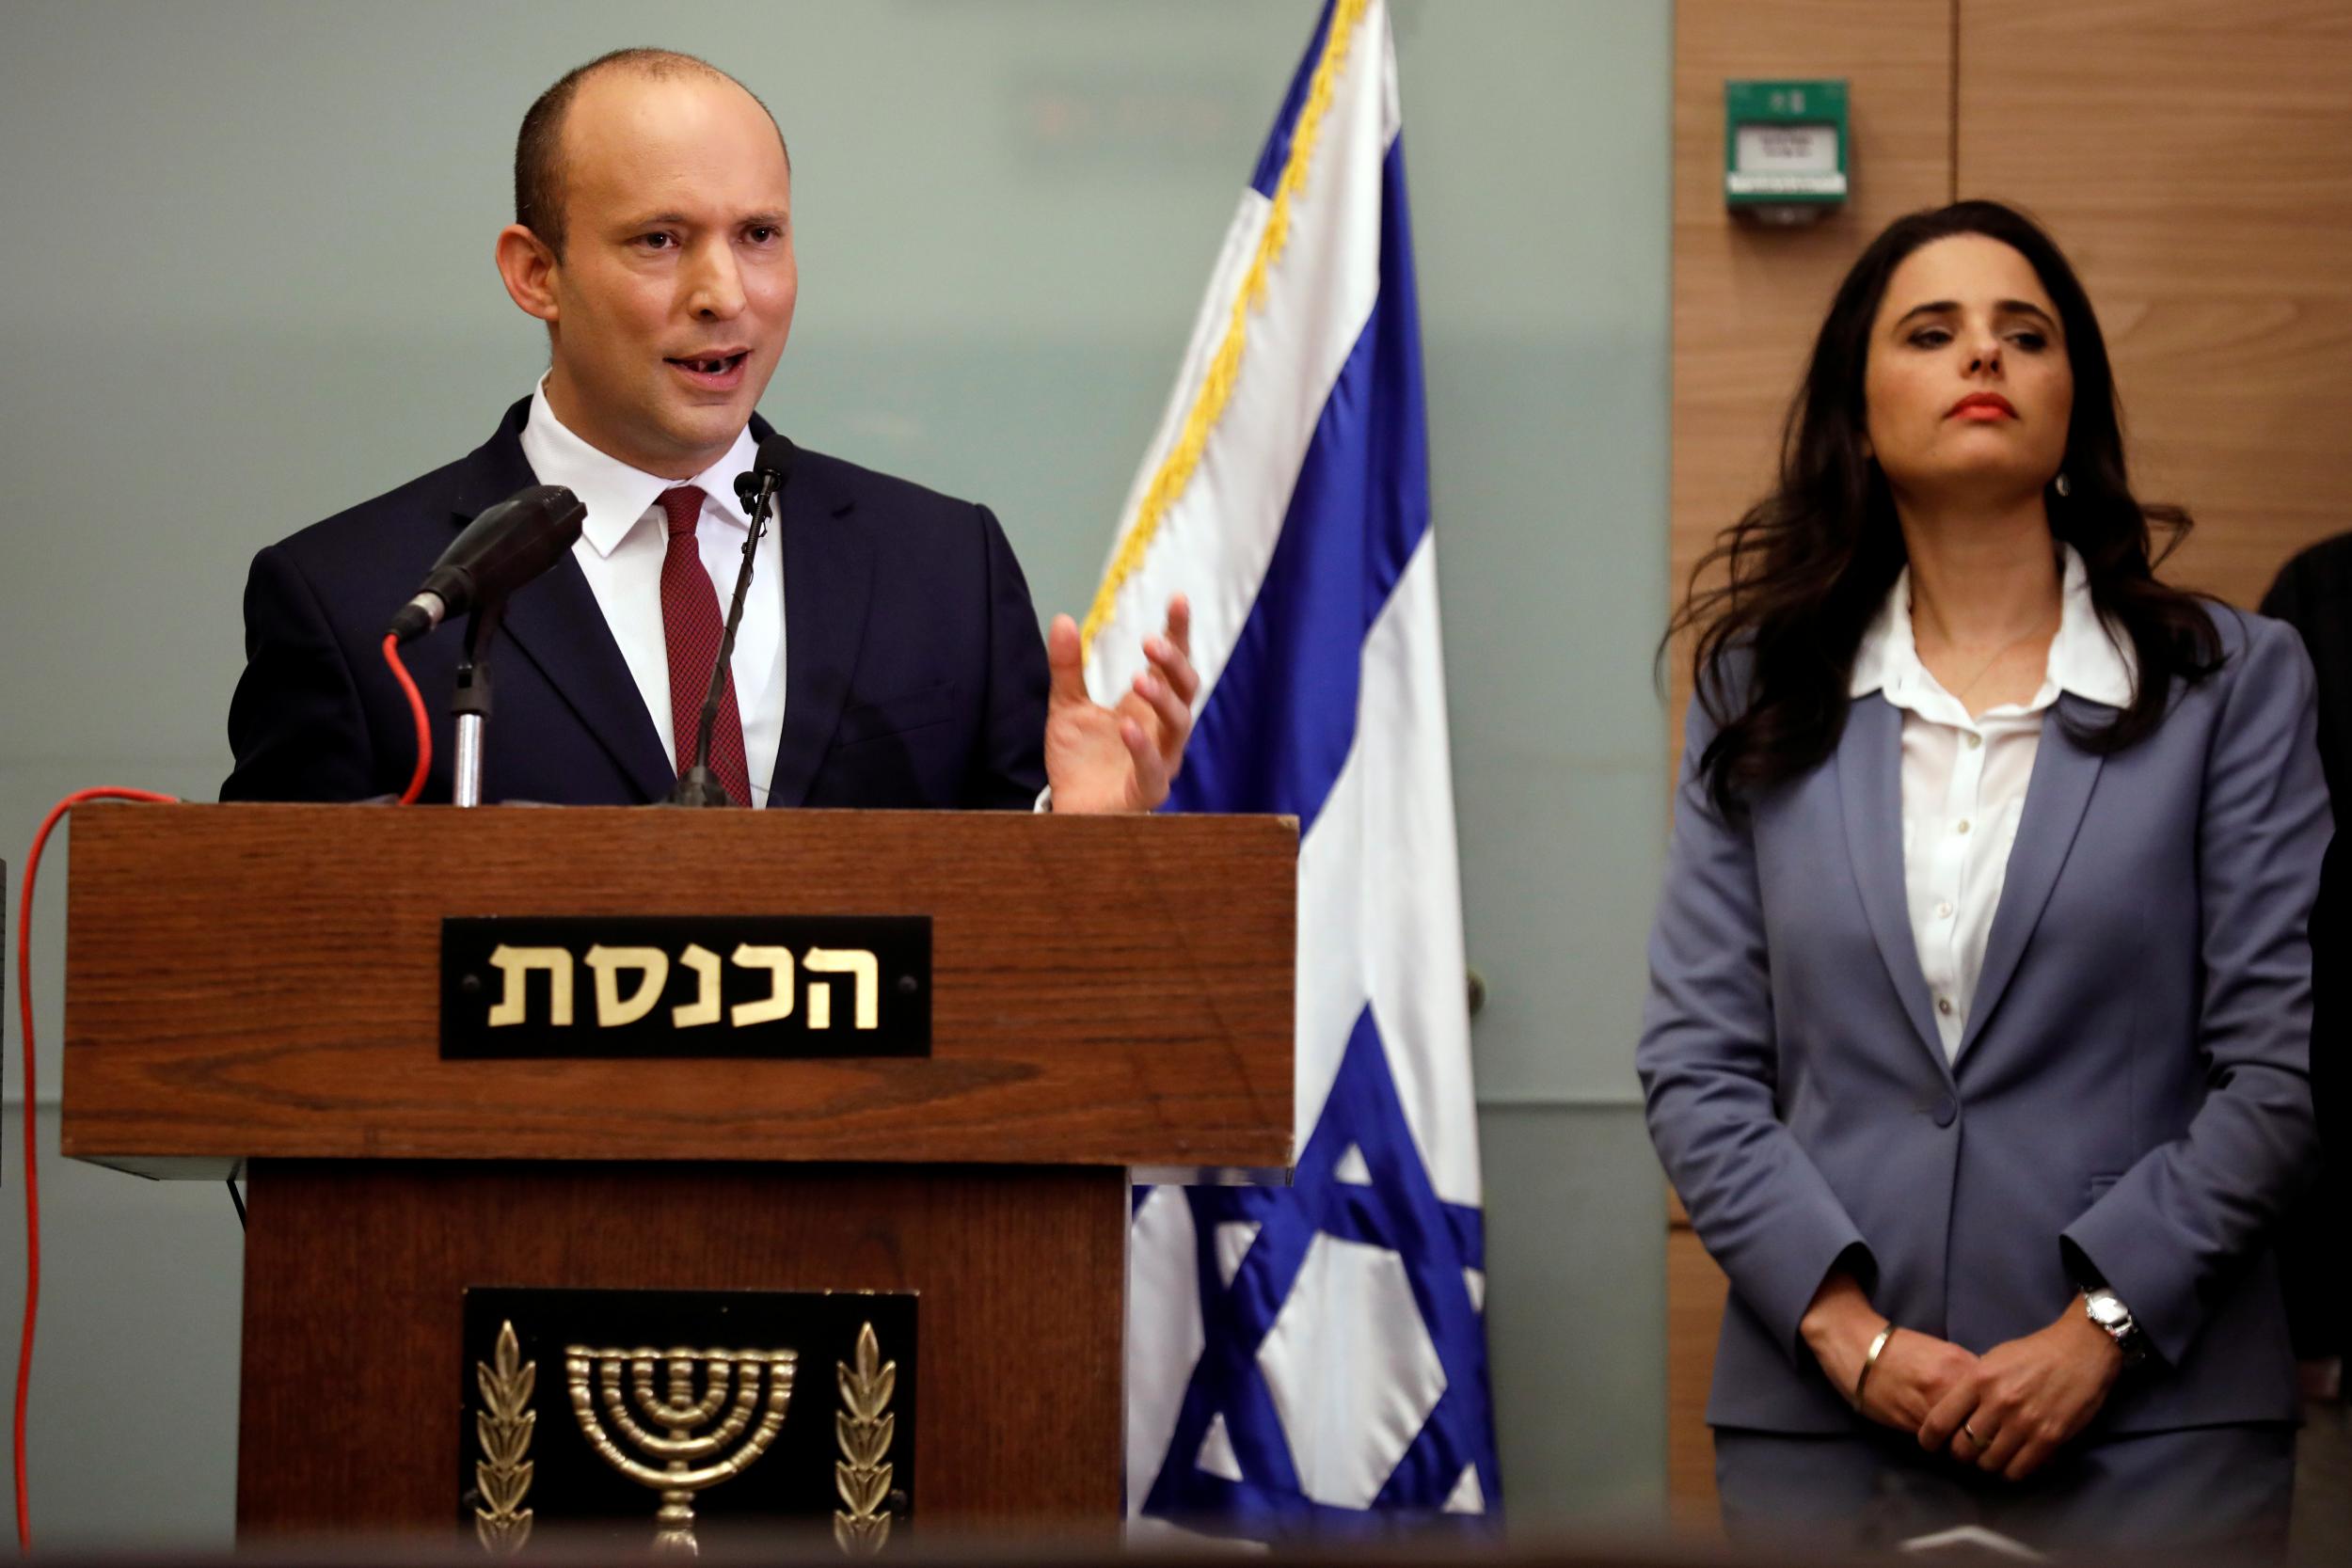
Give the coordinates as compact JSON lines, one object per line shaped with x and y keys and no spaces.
{"x":470,"y":704}
{"x":697,"y":785}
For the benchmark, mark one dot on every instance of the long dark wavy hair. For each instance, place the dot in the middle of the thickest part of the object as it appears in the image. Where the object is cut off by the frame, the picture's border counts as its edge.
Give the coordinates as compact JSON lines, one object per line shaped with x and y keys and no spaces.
{"x":1809,"y":566}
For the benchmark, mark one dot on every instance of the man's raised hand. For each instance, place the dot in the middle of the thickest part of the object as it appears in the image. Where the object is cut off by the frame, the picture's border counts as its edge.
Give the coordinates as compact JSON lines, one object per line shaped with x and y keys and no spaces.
{"x":1123,"y":758}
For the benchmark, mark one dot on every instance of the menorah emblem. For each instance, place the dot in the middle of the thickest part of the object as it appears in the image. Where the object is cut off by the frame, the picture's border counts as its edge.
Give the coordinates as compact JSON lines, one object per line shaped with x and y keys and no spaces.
{"x":668,"y":1430}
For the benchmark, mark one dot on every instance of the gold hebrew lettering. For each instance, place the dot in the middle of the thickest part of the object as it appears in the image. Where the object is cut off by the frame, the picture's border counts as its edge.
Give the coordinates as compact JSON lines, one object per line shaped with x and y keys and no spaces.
{"x":778,"y":1003}
{"x":653,"y":973}
{"x":867,"y":973}
{"x":515,"y":965}
{"x":705,"y":1007}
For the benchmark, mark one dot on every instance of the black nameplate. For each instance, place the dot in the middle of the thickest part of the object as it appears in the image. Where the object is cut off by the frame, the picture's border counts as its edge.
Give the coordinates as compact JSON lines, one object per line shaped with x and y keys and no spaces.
{"x":686,"y":986}
{"x":806,"y":1400}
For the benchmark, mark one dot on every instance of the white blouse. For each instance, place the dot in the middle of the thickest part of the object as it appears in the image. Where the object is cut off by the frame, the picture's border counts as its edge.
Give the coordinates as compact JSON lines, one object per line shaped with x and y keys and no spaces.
{"x":1964,"y":780}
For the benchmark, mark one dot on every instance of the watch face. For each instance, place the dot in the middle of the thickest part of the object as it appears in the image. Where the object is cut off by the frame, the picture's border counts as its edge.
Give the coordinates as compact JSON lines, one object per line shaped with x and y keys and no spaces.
{"x":2108,"y":1311}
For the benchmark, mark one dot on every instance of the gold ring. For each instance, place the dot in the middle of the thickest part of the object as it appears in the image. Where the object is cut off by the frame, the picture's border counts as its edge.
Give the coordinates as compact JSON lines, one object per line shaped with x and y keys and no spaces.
{"x":1970,"y":1432}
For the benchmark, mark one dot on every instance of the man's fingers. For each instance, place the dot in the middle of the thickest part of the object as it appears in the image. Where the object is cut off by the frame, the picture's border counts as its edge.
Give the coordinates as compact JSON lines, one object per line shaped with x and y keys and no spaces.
{"x":1173,"y":714}
{"x":1066,"y":661}
{"x":1179,"y":623}
{"x":1174,"y":667}
{"x":1151,"y":773}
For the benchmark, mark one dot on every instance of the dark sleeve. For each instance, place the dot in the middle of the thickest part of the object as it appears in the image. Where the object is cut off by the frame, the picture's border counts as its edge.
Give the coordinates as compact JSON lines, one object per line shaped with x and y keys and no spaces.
{"x":2296,"y":599}
{"x":1008,"y":765}
{"x":2312,"y":596}
{"x":2285,"y":602}
{"x":295,"y":723}
{"x":2332,"y":1010}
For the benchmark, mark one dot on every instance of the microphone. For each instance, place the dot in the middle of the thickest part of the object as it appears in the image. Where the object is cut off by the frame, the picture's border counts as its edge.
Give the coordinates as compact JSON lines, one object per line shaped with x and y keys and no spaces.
{"x":771,"y":470}
{"x":758,"y":490}
{"x":498,"y":552}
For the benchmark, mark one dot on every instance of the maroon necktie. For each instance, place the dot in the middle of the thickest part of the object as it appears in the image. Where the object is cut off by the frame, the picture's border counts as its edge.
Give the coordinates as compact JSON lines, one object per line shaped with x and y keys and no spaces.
{"x":692,"y":626}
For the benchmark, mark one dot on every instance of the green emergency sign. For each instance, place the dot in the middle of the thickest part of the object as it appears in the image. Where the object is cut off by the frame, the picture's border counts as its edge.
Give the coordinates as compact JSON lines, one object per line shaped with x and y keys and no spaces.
{"x":1784,"y":144}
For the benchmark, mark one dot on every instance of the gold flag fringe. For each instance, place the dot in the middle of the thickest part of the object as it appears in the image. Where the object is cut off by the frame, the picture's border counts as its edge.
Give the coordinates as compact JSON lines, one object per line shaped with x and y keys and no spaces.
{"x":1217,"y":389}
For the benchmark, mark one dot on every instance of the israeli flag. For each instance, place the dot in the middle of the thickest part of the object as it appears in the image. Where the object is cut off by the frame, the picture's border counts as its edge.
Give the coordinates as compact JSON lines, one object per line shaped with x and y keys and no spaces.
{"x":1315,"y":1357}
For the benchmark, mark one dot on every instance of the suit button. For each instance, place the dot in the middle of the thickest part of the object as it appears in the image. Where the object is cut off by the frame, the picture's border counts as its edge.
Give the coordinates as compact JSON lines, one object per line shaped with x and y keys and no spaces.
{"x":1945,"y":1112}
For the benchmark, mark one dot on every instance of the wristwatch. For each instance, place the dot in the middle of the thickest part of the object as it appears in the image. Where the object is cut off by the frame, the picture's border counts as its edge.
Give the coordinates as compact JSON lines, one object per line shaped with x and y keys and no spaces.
{"x":2106,"y":1309}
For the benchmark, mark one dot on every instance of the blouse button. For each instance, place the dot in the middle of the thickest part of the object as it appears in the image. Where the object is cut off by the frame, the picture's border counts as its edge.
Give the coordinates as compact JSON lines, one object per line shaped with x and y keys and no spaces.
{"x":1961,"y":826}
{"x":1943,"y":911}
{"x":1943,"y":1006}
{"x":1975,"y":740}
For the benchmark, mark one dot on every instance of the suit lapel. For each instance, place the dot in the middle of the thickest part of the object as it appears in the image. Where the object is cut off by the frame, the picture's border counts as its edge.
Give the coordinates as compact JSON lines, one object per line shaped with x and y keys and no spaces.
{"x":828,"y":576}
{"x":1870,"y":798}
{"x":556,"y":624}
{"x":2056,"y":799}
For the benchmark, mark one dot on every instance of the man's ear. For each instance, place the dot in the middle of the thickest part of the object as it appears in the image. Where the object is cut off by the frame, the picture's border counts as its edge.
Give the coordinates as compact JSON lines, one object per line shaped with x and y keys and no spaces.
{"x":527,"y":266}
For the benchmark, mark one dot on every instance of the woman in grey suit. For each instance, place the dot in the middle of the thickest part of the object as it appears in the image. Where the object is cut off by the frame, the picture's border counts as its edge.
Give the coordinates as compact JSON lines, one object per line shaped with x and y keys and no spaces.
{"x":1978,"y":1040}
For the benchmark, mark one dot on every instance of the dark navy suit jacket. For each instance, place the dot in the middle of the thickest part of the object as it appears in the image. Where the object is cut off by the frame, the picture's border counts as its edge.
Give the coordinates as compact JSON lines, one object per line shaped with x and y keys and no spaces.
{"x":2132,"y":1092}
{"x":914,"y":673}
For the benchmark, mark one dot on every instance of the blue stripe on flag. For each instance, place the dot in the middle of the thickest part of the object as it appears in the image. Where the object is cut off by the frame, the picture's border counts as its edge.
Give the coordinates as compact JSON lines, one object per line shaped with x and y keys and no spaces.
{"x":1279,"y":721}
{"x":1277,"y":150}
{"x":1353,"y":1216}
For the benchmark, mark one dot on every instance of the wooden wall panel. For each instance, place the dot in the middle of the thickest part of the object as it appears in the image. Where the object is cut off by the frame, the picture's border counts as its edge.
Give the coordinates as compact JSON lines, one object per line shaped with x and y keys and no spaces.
{"x":1747,"y":300}
{"x":2195,"y":161}
{"x":1746,"y":304}
{"x":1696,"y":1291}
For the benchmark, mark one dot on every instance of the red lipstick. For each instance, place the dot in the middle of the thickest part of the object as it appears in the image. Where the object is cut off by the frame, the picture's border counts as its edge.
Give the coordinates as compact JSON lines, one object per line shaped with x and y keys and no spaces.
{"x":1981,"y":405}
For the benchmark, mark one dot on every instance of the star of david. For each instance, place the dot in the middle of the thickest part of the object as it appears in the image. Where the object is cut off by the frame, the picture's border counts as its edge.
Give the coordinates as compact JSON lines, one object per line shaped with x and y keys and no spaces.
{"x":1399,"y":1210}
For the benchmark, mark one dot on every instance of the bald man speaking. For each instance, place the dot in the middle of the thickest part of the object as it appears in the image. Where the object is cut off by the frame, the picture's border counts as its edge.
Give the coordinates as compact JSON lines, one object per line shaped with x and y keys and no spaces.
{"x":888,"y":654}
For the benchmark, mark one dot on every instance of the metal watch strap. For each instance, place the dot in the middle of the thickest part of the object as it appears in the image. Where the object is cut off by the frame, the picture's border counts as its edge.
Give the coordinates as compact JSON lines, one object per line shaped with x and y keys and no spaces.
{"x":2124,"y":1329}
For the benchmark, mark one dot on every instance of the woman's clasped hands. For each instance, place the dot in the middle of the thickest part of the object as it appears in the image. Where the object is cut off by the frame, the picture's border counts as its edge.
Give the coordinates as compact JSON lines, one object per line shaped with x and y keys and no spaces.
{"x":2006,"y":1412}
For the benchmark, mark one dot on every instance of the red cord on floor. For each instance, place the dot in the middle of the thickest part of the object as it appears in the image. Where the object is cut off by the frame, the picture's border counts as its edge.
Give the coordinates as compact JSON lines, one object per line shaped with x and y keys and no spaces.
{"x":32,"y":1174}
{"x":424,"y":725}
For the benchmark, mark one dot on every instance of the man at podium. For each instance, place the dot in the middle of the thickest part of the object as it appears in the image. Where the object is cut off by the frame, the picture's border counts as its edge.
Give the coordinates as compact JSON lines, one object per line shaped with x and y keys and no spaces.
{"x":888,"y":654}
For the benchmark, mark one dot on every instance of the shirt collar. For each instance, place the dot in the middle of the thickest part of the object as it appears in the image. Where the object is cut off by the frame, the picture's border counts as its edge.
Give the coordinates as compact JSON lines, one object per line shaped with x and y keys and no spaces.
{"x":618,"y":497}
{"x":2089,"y":656}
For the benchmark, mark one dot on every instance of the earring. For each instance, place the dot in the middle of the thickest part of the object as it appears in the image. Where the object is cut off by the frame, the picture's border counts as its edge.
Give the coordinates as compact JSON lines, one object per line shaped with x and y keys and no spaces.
{"x":2063,"y":485}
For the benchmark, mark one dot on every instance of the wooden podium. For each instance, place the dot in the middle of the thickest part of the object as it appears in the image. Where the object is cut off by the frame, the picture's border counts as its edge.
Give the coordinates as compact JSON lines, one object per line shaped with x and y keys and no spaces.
{"x":260,"y":988}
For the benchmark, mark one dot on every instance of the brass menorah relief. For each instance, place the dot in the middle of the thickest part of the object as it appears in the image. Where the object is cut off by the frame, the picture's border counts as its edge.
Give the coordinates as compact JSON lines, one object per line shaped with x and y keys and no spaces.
{"x":668,"y":1441}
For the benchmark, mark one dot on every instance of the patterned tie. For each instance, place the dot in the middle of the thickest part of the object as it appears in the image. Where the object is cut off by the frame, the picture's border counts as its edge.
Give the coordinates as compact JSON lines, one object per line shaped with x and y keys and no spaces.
{"x":692,"y":626}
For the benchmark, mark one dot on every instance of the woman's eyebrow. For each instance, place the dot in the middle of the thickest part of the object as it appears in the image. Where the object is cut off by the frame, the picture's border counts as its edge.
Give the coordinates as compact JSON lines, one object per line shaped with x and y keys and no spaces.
{"x":2000,"y":307}
{"x":1933,"y":308}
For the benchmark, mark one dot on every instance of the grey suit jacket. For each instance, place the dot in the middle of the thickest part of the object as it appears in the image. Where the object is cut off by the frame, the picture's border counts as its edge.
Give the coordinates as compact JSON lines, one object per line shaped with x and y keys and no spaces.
{"x":2133,"y":1091}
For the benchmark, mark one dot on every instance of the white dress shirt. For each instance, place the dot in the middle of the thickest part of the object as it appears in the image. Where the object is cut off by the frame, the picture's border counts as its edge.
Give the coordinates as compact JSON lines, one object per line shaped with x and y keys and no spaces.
{"x":620,"y":549}
{"x":1964,"y":779}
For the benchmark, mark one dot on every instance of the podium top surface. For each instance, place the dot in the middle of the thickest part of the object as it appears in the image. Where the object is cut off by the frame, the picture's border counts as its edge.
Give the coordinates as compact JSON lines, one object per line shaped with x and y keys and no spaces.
{"x":263,"y":981}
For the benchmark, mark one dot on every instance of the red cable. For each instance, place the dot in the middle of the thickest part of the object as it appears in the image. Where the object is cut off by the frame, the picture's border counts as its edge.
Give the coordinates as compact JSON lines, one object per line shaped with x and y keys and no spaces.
{"x":424,"y":725}
{"x":32,"y":1175}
